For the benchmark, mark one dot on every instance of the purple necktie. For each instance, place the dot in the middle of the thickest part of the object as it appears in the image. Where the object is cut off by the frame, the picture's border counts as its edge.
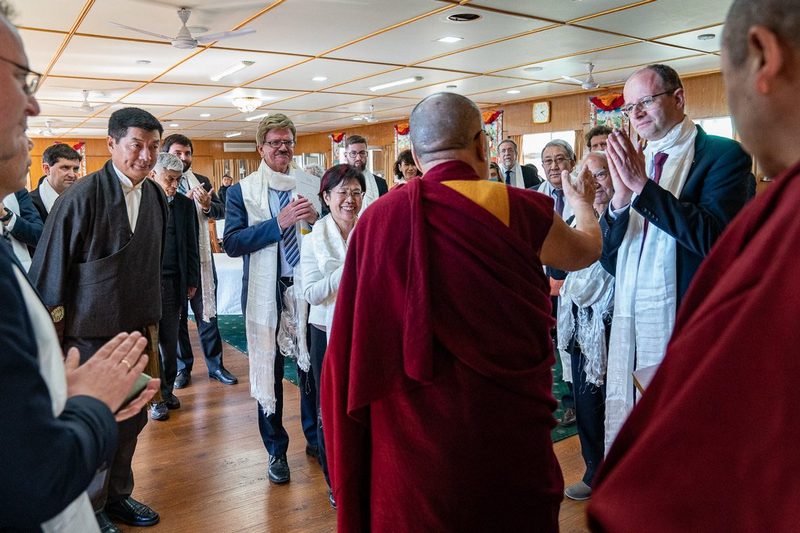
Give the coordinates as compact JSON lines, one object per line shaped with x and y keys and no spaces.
{"x":559,"y":194}
{"x":658,"y":166}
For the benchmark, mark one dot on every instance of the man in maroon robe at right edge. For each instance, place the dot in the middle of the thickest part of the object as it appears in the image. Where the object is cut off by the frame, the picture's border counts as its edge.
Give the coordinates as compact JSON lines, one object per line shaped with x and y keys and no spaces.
{"x":712,"y":446}
{"x":436,"y":388}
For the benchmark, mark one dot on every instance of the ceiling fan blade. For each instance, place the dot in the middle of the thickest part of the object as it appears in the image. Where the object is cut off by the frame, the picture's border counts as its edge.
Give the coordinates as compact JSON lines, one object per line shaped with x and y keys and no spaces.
{"x":211,"y":37}
{"x":573,"y":80}
{"x":160,"y":36}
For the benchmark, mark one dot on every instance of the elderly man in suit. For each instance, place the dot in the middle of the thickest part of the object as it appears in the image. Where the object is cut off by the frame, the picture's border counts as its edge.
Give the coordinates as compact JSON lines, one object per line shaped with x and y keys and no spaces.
{"x":209,"y":206}
{"x":180,"y":275}
{"x":511,"y":172}
{"x":672,"y":200}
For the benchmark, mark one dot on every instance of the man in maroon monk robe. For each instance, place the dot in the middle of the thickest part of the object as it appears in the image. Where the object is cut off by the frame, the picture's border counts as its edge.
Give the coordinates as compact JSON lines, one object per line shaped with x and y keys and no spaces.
{"x":436,"y":387}
{"x":711,"y":446}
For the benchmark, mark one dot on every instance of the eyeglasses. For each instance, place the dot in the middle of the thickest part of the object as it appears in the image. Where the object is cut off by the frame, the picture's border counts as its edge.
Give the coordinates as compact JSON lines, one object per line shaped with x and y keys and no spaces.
{"x":278,"y":144}
{"x":644,"y":102}
{"x":32,"y":78}
{"x":600,"y":175}
{"x":560,"y":160}
{"x":355,"y":195}
{"x":362,"y":153}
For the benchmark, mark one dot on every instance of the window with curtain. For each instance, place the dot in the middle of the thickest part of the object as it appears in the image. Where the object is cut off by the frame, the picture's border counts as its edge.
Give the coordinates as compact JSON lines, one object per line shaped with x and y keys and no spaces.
{"x":534,"y":143}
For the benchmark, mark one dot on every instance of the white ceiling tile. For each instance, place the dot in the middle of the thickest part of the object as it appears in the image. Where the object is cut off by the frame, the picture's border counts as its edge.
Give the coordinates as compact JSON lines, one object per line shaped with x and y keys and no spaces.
{"x":689,"y":39}
{"x":562,"y":10}
{"x":40,"y":47}
{"x":315,"y":26}
{"x":376,"y":104}
{"x":207,"y":63}
{"x":419,"y":40}
{"x":307,"y":118}
{"x":535,"y":90}
{"x":115,"y":59}
{"x":71,"y":89}
{"x":316,"y":101}
{"x":336,"y":72}
{"x":158,"y":111}
{"x":87,"y":132}
{"x":40,"y":13}
{"x":429,"y":76}
{"x":194,"y":112}
{"x":160,"y":93}
{"x":267,"y":96}
{"x":61,"y":108}
{"x":158,"y":17}
{"x":465,"y":86}
{"x":663,"y":17}
{"x":527,"y":50}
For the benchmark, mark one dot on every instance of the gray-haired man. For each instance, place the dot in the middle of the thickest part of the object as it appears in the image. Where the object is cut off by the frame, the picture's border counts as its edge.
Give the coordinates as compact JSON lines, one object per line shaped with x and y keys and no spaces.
{"x":180,"y":275}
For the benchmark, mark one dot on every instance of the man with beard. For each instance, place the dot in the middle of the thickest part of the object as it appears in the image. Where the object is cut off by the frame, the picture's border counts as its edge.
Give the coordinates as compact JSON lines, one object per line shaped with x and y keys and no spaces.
{"x":709,"y":446}
{"x":356,"y":154}
{"x":204,"y":302}
{"x":511,"y":172}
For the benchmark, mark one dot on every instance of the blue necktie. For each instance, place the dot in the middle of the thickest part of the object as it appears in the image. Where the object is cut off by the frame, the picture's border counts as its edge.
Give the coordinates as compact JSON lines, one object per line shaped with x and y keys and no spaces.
{"x":508,"y":177}
{"x":290,"y":248}
{"x":182,"y":186}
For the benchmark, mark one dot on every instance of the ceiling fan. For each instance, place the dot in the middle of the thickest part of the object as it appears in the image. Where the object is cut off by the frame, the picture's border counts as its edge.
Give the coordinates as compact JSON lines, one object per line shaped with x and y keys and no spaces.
{"x":48,"y":130}
{"x":86,"y":106}
{"x":367,"y":118}
{"x":588,"y":84}
{"x":185,"y":39}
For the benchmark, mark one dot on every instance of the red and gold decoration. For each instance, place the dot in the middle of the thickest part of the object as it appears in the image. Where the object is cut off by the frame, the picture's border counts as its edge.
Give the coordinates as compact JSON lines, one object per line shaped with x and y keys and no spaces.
{"x":493,"y":126}
{"x":402,"y":139}
{"x":337,"y":145}
{"x":607,"y":110}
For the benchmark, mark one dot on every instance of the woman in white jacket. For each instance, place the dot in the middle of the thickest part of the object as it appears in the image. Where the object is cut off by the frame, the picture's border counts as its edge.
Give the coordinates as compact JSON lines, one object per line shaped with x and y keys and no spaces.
{"x":321,"y":263}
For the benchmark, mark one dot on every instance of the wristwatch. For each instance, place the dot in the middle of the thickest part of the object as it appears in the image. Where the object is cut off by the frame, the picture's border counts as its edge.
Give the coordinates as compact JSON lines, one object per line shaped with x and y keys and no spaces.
{"x":5,"y":218}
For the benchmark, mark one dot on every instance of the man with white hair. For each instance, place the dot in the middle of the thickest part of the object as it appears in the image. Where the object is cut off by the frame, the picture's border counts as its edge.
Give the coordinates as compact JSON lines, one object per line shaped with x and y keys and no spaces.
{"x":180,"y":275}
{"x":511,"y":172}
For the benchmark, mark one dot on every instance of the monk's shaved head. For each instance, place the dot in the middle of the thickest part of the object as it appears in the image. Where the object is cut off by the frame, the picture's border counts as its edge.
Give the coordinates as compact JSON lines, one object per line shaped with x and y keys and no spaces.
{"x":780,"y":16}
{"x":442,"y":124}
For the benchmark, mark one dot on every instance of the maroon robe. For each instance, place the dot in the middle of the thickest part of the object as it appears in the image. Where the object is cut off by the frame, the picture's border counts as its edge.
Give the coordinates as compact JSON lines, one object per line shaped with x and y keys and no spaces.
{"x":712,"y":444}
{"x":436,"y":387}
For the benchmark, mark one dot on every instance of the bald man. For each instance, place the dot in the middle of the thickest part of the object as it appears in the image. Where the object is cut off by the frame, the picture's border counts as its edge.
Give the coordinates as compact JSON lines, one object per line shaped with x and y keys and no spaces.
{"x":473,"y":450}
{"x":711,"y":445}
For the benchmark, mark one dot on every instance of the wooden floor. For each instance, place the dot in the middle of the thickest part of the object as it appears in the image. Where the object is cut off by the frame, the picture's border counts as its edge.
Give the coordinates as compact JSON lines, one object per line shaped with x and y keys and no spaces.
{"x":205,"y":469}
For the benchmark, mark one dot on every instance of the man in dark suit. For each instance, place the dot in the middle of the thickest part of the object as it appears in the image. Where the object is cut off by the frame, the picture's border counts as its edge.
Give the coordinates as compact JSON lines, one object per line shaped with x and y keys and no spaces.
{"x":511,"y":172}
{"x":671,"y":202}
{"x":209,"y":206}
{"x":61,"y":165}
{"x":357,"y":155}
{"x":227,"y":181}
{"x":180,"y":275}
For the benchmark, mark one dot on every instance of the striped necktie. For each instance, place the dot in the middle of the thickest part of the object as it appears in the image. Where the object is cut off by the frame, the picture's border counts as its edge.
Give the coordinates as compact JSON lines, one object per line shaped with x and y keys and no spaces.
{"x":290,"y":248}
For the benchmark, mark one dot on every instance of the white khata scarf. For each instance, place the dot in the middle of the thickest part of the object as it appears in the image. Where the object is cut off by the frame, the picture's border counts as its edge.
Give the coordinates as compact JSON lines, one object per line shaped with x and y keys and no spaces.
{"x":78,"y":515}
{"x":646,"y":284}
{"x":204,"y":245}
{"x":20,"y":250}
{"x":372,"y":193}
{"x":261,"y":314}
{"x":590,"y":288}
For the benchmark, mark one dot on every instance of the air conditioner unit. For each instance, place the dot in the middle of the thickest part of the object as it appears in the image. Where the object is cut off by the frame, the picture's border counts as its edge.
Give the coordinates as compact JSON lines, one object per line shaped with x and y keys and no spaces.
{"x":239,"y":147}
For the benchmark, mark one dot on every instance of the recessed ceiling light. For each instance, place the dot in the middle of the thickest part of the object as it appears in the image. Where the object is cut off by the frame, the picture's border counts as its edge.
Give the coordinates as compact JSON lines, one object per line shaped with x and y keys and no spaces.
{"x":319,"y":78}
{"x":256,"y":117}
{"x":463,"y":17}
{"x":404,"y":81}
{"x":143,"y":62}
{"x":532,"y":69}
{"x":706,"y":36}
{"x":232,"y":70}
{"x":358,"y":118}
{"x":231,"y":134}
{"x":450,"y":40}
{"x":205,"y":115}
{"x":174,"y":125}
{"x":513,"y":91}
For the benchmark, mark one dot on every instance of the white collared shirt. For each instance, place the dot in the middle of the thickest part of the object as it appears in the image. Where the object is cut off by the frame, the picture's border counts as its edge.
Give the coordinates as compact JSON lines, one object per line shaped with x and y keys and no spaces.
{"x":133,"y":196}
{"x":48,"y":195}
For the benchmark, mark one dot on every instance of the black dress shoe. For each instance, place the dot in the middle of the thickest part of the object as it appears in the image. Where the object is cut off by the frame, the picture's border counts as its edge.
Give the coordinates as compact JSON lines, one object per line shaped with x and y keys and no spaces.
{"x":278,"y":470}
{"x":133,"y":513}
{"x":331,"y":499}
{"x":312,"y":451}
{"x":105,"y":523}
{"x":182,"y":379}
{"x":173,"y":402}
{"x":223,"y":376}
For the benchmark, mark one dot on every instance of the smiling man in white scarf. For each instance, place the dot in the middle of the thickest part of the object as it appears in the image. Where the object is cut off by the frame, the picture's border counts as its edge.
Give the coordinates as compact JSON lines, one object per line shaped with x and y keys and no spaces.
{"x":268,"y":212}
{"x":356,"y":154}
{"x":671,"y":202}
